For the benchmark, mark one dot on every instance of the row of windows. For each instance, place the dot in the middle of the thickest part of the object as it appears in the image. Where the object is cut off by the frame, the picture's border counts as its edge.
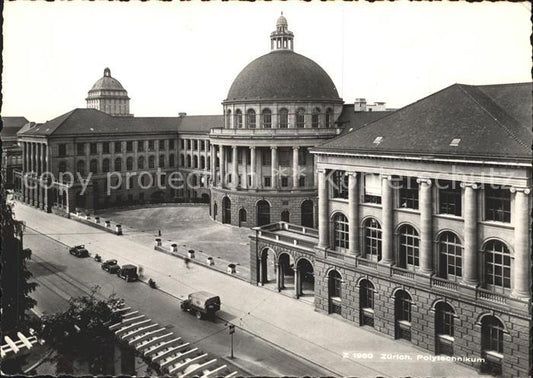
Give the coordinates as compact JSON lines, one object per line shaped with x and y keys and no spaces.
{"x":497,"y":258}
{"x":194,"y":144}
{"x":492,"y":328}
{"x":193,"y":162}
{"x":283,"y":118}
{"x":106,"y":164}
{"x":117,"y":147}
{"x":497,"y":199}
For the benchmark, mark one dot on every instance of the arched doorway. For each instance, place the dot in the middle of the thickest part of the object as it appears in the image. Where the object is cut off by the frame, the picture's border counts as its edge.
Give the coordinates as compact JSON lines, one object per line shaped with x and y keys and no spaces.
{"x":366,"y":303}
{"x":226,"y":210}
{"x":205,"y":198}
{"x":242,"y":216}
{"x":402,"y":315}
{"x":444,"y":328}
{"x":285,"y":216}
{"x":304,"y":279}
{"x":215,"y":211}
{"x":267,"y":267}
{"x":286,"y":272}
{"x":492,"y":331}
{"x":307,"y":218}
{"x":263,"y":213}
{"x":334,"y":292}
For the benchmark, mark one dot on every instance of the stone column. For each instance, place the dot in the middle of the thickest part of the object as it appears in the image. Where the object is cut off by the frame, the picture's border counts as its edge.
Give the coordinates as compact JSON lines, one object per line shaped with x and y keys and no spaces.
{"x":295,"y":168}
{"x":213,"y":167}
{"x":297,"y":282}
{"x":353,"y":214}
{"x":386,"y":220}
{"x":470,"y":271}
{"x":206,"y":156}
{"x":222,"y":163}
{"x":32,"y":168}
{"x":323,"y":209}
{"x":234,"y":168}
{"x":426,"y":226}
{"x":278,"y":276}
{"x":274,"y":167}
{"x":253,"y":173}
{"x":244,"y":153}
{"x":24,"y":170}
{"x":520,"y":273}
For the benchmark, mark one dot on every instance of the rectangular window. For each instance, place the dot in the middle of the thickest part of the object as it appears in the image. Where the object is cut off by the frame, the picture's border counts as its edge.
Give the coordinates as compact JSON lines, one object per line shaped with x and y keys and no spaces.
{"x":497,"y":204}
{"x":284,"y":182}
{"x":372,"y":189}
{"x":339,"y":184}
{"x":284,"y":158}
{"x":80,"y":148}
{"x":267,"y":181}
{"x":151,"y":145}
{"x":140,"y":146}
{"x":188,"y":144}
{"x":409,"y":193}
{"x":302,"y":154}
{"x":62,"y":150}
{"x":105,"y":147}
{"x":301,"y":181}
{"x":202,"y":145}
{"x":162,"y":144}
{"x":129,"y":146}
{"x":449,"y":197}
{"x":171,"y":144}
{"x":182,"y":144}
{"x":266,"y":157}
{"x":118,"y":147}
{"x":93,"y":148}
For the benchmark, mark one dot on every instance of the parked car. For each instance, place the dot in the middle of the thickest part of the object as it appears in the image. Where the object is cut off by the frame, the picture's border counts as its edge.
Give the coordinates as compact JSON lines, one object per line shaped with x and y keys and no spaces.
{"x":111,"y":267}
{"x":108,"y":263}
{"x":79,"y":251}
{"x":128,"y":272}
{"x":202,"y":304}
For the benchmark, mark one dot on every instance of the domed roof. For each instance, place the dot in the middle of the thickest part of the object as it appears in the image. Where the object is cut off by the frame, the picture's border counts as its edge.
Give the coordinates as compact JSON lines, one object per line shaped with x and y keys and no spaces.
{"x":282,"y":21}
{"x":283,"y":75}
{"x":107,"y":82}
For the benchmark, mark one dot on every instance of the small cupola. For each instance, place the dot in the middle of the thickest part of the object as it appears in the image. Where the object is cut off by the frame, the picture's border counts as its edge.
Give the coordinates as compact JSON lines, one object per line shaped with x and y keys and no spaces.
{"x":282,"y":38}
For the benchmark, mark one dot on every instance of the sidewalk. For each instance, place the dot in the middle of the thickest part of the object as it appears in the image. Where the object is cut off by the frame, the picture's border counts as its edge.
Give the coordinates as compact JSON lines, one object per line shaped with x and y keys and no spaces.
{"x":291,"y":324}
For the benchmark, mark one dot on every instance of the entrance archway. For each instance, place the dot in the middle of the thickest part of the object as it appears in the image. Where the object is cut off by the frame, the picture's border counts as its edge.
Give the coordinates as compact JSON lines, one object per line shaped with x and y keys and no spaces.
{"x":267,"y":269}
{"x":334,"y":292}
{"x":226,"y":210}
{"x":307,"y":218}
{"x":263,"y":213}
{"x":285,"y":216}
{"x":286,"y":272}
{"x":304,"y":279}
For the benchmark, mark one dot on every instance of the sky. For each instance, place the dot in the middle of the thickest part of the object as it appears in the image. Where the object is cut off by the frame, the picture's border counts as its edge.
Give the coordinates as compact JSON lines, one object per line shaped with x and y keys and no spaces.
{"x":182,"y":57}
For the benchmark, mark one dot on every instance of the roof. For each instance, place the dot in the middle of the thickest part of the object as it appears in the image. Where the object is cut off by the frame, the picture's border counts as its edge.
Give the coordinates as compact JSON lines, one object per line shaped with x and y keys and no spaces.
{"x":200,"y":123}
{"x":83,"y":121}
{"x":351,"y":120}
{"x":11,"y":125}
{"x":491,"y":121}
{"x":283,"y":75}
{"x":107,"y":82}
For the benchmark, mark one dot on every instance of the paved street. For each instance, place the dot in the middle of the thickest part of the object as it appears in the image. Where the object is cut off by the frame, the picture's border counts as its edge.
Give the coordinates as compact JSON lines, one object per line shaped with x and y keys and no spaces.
{"x":291,"y":324}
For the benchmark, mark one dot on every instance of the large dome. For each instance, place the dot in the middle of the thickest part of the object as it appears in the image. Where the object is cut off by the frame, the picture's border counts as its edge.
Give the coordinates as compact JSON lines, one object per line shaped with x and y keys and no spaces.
{"x":283,"y":75}
{"x":107,"y":82}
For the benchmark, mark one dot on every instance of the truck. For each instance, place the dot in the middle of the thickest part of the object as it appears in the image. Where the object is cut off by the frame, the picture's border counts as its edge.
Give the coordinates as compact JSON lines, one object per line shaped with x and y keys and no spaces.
{"x":202,"y":304}
{"x":128,"y":272}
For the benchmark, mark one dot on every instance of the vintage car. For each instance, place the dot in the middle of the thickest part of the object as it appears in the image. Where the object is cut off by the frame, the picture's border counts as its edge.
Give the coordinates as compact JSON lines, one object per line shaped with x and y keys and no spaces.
{"x":202,"y":304}
{"x":79,"y":251}
{"x":111,"y":266}
{"x":108,"y":263}
{"x":128,"y":272}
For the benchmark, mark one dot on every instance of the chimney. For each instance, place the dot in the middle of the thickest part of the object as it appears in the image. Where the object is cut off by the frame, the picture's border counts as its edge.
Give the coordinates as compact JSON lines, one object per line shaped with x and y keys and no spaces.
{"x":182,"y":114}
{"x":359,"y":105}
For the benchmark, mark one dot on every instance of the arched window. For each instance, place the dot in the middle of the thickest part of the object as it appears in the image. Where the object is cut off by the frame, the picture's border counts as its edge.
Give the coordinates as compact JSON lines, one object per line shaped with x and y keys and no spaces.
{"x":283,"y":118}
{"x":242,"y":215}
{"x":450,"y":256}
{"x":492,"y":344}
{"x":402,"y":314}
{"x":93,"y":166}
{"x":267,"y":119}
{"x":444,"y":328}
{"x":140,"y":162}
{"x":80,"y":167}
{"x":118,"y":164}
{"x":340,"y":232}
{"x":497,"y":265}
{"x":250,"y":118}
{"x":161,"y":161}
{"x":228,"y":119}
{"x":171,"y":161}
{"x":62,"y":166}
{"x":129,"y":163}
{"x":263,"y":213}
{"x":409,"y":251}
{"x":315,"y":118}
{"x":372,"y":241}
{"x":226,"y":210}
{"x":105,"y":165}
{"x":238,"y":119}
{"x":335,"y":292}
{"x":285,"y":216}
{"x":300,"y":118}
{"x":329,"y":117}
{"x":366,"y":302}
{"x":151,"y":161}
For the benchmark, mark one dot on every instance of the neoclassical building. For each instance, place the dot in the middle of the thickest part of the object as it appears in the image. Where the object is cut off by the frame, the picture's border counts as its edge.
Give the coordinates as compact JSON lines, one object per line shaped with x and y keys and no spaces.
{"x":278,"y":107}
{"x":423,"y":228}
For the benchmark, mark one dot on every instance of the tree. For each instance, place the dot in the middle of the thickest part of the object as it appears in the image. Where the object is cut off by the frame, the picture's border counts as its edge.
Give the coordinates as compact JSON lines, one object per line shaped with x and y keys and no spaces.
{"x":81,"y":331}
{"x":15,"y":277}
